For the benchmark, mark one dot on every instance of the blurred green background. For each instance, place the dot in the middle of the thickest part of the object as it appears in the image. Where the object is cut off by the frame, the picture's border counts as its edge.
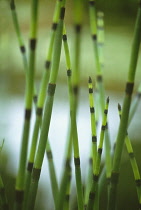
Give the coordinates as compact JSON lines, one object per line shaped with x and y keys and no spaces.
{"x":119,"y":25}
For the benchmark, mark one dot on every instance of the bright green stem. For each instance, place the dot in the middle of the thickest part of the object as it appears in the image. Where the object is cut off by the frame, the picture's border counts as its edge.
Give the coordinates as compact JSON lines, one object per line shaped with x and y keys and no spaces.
{"x":28,"y":107}
{"x":41,"y":98}
{"x":132,"y":160}
{"x":125,"y":113}
{"x":72,"y":101}
{"x":94,"y":187}
{"x":47,"y":116}
{"x":53,"y":178}
{"x":66,"y":175}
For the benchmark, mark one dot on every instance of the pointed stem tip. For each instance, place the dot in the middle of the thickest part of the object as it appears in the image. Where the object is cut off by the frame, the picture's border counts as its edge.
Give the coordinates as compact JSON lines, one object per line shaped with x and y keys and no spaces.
{"x":90,"y":80}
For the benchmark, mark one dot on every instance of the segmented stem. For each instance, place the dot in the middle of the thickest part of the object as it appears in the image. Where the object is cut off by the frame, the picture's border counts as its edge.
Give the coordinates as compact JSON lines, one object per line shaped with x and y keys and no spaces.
{"x":132,"y":160}
{"x":73,"y":127}
{"x":94,"y":186}
{"x":125,"y":113}
{"x":41,"y":99}
{"x":28,"y":107}
{"x":47,"y":112}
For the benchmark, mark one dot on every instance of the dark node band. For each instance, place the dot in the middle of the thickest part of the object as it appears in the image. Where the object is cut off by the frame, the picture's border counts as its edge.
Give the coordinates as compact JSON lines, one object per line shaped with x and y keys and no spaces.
{"x":131,"y":155}
{"x":105,"y":111}
{"x":12,"y":5}
{"x":39,"y":111}
{"x":91,"y":3}
{"x":90,"y":161}
{"x":32,"y":44}
{"x":103,"y":127}
{"x":95,"y":177}
{"x":49,"y":155}
{"x":114,"y":177}
{"x":27,"y":114}
{"x":129,"y":88}
{"x":94,"y":37}
{"x":100,"y":151}
{"x":19,"y":195}
{"x":64,"y":37}
{"x":35,"y":99}
{"x":77,"y":28}
{"x":90,"y":80}
{"x":139,"y":3}
{"x":75,"y":89}
{"x":138,"y":182}
{"x":90,"y":90}
{"x":22,"y":48}
{"x":91,"y":195}
{"x":69,"y":72}
{"x":99,"y":78}
{"x":47,"y":64}
{"x":94,"y":139}
{"x":77,"y":161}
{"x":92,"y":110}
{"x":29,"y":166}
{"x":36,"y":173}
{"x":67,"y":197}
{"x":51,"y":89}
{"x":54,"y":26}
{"x":62,"y":13}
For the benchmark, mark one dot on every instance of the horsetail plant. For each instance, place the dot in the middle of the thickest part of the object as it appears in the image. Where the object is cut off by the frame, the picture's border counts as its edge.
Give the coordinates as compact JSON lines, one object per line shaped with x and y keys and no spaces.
{"x":96,"y":167}
{"x":41,"y":99}
{"x":88,"y":194}
{"x":125,"y":112}
{"x":19,"y":189}
{"x":74,"y":134}
{"x":47,"y":111}
{"x":132,"y":160}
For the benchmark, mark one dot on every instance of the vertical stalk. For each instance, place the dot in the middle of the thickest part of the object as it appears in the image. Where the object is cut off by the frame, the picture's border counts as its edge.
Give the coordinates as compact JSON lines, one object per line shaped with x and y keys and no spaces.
{"x":125,"y":113}
{"x":74,"y":134}
{"x":133,"y":161}
{"x":97,"y":28}
{"x":47,"y":112}
{"x":94,"y":142}
{"x":94,"y":186}
{"x":53,"y":178}
{"x":19,"y":189}
{"x":40,"y":101}
{"x":20,"y":41}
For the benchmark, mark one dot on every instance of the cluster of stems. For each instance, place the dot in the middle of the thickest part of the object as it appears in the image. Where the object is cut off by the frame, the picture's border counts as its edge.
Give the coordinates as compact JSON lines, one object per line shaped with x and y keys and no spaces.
{"x":30,"y":163}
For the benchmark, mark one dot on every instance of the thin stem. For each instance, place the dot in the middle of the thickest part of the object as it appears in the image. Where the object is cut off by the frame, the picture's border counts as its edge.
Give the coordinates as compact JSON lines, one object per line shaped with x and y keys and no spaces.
{"x":40,"y":101}
{"x":94,"y":187}
{"x":125,"y":113}
{"x":28,"y":107}
{"x":47,"y":112}
{"x":53,"y":178}
{"x":132,"y":160}
{"x":73,"y":127}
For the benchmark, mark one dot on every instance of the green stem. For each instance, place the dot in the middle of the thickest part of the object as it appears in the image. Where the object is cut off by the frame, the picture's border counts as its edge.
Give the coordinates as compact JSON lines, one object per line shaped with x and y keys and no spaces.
{"x":125,"y":113}
{"x":47,"y":113}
